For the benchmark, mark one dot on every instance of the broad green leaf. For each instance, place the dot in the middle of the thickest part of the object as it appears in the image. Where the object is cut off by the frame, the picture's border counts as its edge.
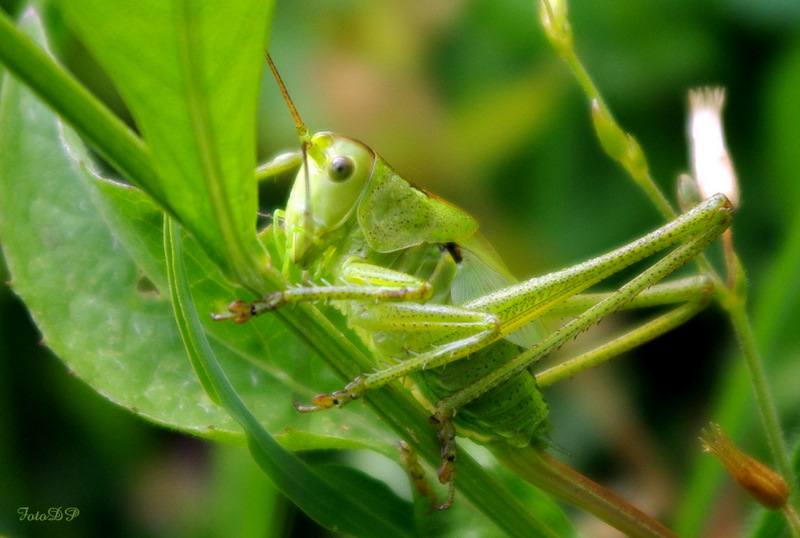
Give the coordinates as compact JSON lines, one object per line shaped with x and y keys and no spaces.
{"x":384,"y":501}
{"x":109,"y":136}
{"x":189,"y":71}
{"x":78,"y":282}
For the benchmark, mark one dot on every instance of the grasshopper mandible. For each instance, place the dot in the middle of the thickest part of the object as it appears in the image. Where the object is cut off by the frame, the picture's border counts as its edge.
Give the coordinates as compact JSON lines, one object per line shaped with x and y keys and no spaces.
{"x":429,"y":295}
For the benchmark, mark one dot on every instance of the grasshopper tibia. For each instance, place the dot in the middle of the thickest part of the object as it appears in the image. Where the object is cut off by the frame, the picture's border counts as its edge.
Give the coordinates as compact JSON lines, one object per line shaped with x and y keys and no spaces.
{"x":241,"y":311}
{"x":353,"y":391}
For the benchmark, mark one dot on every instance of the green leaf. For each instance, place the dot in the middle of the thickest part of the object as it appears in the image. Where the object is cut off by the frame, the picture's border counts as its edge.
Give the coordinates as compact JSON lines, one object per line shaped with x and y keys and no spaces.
{"x":64,"y":94}
{"x":382,"y":500}
{"x":198,"y":62}
{"x":76,"y":279}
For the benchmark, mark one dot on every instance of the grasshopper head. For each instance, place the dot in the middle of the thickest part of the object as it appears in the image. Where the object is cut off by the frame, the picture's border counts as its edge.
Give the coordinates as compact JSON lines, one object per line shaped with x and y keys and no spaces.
{"x":326,"y":191}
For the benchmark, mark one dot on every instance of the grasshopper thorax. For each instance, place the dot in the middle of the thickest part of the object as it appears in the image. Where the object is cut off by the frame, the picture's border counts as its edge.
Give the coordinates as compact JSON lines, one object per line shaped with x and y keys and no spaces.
{"x":327,"y":190}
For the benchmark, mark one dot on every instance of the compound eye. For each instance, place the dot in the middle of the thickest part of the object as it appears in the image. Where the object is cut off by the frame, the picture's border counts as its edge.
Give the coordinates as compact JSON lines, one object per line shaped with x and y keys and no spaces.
{"x":341,"y":168}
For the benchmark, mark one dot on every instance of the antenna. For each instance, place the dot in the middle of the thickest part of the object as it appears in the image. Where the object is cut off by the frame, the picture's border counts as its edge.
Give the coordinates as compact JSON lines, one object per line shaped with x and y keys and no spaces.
{"x":302,"y":131}
{"x":305,"y":146}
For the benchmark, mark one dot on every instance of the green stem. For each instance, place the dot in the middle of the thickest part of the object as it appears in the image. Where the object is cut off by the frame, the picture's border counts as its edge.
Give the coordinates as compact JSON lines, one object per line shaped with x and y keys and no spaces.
{"x":96,"y":124}
{"x":552,"y":476}
{"x":734,"y":300}
{"x":758,"y":379}
{"x":560,"y":34}
{"x":792,"y":519}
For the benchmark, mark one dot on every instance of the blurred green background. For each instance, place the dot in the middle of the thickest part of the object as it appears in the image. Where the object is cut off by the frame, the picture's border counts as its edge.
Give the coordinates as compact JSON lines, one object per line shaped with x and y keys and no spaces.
{"x":466,"y":99}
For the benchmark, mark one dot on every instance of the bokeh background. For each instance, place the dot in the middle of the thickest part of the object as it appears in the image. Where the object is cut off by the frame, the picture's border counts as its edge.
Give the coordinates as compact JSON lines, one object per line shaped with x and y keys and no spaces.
{"x":466,"y":99}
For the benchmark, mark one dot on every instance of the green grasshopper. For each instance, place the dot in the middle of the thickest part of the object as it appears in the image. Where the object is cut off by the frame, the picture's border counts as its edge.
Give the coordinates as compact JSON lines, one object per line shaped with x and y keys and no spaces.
{"x":432,"y":299}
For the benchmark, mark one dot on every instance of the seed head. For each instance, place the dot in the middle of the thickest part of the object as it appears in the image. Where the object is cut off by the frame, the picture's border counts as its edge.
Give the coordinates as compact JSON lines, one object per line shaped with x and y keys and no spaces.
{"x":759,"y":481}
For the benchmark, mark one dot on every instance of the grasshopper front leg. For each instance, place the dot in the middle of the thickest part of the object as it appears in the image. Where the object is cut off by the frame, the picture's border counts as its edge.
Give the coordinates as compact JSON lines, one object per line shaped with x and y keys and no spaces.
{"x":361,"y":282}
{"x":286,"y":162}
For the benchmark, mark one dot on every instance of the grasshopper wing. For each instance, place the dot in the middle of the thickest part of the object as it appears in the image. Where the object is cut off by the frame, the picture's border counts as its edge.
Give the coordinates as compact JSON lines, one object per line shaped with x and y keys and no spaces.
{"x":480,"y":272}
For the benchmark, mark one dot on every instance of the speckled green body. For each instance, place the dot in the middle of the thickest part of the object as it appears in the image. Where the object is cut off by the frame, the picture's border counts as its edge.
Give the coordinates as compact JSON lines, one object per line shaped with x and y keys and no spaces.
{"x":459,"y":268}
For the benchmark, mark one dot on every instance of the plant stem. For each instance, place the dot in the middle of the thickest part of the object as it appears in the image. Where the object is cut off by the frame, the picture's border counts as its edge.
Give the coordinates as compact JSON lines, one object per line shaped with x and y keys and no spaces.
{"x":758,"y":379}
{"x":559,"y":32}
{"x":792,"y":519}
{"x":552,"y":476}
{"x":72,"y":101}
